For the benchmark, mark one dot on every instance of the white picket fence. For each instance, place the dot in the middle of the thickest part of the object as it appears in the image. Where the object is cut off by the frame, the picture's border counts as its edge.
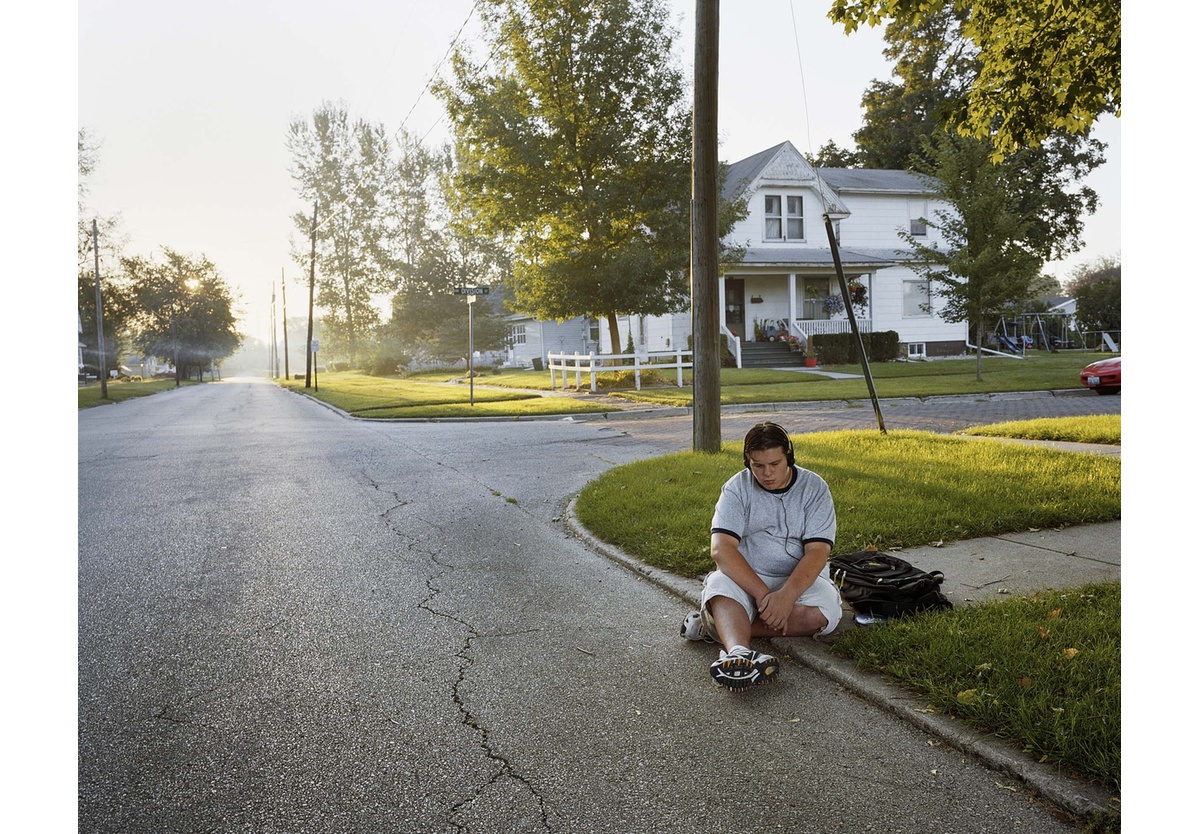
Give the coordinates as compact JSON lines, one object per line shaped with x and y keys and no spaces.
{"x":592,"y":364}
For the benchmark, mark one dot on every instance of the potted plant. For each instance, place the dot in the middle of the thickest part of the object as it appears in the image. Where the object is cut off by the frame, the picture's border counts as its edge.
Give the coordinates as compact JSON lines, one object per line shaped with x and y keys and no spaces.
{"x":833,"y":305}
{"x":858,"y":296}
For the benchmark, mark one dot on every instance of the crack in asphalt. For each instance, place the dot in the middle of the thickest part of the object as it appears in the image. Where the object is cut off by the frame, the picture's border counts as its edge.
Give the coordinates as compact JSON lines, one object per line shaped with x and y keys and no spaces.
{"x":503,"y":768}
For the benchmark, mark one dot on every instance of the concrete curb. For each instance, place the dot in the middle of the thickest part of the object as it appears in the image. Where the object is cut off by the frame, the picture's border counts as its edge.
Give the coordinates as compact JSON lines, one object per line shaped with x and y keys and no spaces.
{"x":1078,"y":798}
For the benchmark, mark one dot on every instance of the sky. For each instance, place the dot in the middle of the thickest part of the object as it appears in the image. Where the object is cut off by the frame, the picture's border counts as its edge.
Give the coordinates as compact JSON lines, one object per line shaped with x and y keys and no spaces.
{"x":190,"y":105}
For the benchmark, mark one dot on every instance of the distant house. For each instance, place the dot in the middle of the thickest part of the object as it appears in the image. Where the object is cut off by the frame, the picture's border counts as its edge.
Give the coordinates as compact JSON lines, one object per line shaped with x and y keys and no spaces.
{"x":786,"y":281}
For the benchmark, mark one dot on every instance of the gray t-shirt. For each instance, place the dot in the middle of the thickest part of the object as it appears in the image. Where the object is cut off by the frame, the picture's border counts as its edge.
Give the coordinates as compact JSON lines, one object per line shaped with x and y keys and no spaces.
{"x":772,"y":526}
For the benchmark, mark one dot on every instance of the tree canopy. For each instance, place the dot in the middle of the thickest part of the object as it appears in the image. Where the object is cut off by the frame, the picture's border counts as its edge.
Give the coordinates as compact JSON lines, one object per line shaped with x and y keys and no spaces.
{"x":1096,"y":288}
{"x":994,"y":247}
{"x":183,"y":310}
{"x":1044,"y":66}
{"x":573,"y":142}
{"x":343,"y":167}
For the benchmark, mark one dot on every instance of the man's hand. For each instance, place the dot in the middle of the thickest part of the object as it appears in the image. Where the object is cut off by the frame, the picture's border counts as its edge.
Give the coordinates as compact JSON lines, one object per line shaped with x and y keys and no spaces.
{"x":775,"y":608}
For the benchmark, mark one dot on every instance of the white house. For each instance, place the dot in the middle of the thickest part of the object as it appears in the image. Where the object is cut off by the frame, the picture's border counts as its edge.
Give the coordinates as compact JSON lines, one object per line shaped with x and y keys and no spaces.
{"x":788,"y":270}
{"x":786,"y":281}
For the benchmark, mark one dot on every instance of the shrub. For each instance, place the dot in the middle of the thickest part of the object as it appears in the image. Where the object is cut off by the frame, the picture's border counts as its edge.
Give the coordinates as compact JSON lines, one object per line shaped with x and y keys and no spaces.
{"x":842,"y":348}
{"x":386,"y":363}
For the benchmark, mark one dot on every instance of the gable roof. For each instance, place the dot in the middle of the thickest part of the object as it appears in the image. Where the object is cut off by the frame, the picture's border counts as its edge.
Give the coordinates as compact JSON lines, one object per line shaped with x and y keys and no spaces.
{"x":780,"y":165}
{"x":742,"y":175}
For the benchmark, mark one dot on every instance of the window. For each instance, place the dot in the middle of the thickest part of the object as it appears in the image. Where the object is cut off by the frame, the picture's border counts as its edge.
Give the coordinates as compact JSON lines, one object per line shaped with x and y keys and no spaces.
{"x":917,"y":210}
{"x":774,"y":215}
{"x":774,"y":228}
{"x":795,"y":218}
{"x":916,"y":298}
{"x":916,"y":350}
{"x":593,"y":334}
{"x":516,"y":334}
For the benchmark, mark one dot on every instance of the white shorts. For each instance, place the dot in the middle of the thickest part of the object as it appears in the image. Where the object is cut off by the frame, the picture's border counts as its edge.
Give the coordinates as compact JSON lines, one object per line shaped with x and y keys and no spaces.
{"x":822,"y":595}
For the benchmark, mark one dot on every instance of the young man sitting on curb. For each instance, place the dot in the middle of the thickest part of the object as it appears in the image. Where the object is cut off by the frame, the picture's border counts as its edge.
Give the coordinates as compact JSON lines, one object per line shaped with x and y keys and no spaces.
{"x":772,"y":533}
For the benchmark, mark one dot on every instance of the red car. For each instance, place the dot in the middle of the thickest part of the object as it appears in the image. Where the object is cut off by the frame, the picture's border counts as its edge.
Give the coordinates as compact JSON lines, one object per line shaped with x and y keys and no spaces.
{"x":1104,"y":376}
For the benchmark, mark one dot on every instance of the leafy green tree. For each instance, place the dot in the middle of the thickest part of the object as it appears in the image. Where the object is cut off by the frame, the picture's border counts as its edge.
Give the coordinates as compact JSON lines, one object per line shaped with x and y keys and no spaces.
{"x":184,"y":311}
{"x":1096,"y":288}
{"x":932,"y":67}
{"x":1045,"y":66}
{"x":117,"y":306}
{"x":437,"y":252}
{"x":830,"y":155}
{"x":987,"y":264}
{"x":408,"y":209}
{"x":573,"y":141}
{"x":344,"y":167}
{"x":119,"y":310}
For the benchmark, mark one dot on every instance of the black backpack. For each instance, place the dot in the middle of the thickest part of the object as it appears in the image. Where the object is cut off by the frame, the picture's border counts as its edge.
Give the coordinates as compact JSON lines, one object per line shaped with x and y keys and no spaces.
{"x":886,"y":586}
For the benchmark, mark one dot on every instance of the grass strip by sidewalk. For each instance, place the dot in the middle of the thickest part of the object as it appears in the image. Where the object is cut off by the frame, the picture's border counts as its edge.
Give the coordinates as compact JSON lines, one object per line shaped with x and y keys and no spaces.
{"x":1043,"y":670}
{"x":903,"y":489}
{"x":121,"y":390}
{"x":1104,"y":429}
{"x":389,"y":397}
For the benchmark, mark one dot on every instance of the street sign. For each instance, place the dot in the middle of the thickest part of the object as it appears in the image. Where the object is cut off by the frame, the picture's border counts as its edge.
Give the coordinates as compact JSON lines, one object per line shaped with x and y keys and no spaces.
{"x":315,"y":345}
{"x":471,"y":290}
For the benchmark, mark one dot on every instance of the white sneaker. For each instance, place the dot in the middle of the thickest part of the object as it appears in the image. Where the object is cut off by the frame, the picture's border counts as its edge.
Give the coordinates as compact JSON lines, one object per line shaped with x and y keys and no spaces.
{"x":743,"y":668}
{"x":695,"y":626}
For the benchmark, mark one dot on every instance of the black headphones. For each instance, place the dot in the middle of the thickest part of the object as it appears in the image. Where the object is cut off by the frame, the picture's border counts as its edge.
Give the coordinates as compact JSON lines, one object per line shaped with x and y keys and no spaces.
{"x":767,"y":435}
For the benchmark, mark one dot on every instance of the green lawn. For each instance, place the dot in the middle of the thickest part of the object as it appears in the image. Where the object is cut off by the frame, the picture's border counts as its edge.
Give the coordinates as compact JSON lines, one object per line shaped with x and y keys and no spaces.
{"x":1038,"y":372}
{"x":383,"y":397}
{"x":902,"y":489}
{"x":118,"y":391}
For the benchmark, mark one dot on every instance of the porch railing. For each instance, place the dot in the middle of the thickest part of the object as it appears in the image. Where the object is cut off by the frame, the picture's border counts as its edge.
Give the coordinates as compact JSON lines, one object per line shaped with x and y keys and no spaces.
{"x":802,"y":329}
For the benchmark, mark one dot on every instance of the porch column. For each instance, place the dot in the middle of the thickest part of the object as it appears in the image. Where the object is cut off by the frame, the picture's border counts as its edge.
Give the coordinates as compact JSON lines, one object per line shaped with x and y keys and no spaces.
{"x":792,"y":301}
{"x":721,"y":304}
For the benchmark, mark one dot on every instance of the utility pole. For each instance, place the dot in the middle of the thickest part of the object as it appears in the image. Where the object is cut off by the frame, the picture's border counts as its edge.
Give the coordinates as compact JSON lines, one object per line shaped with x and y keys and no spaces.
{"x":312,"y":280}
{"x":273,"y":353}
{"x":99,"y":314}
{"x":706,"y":355}
{"x":287,"y":371}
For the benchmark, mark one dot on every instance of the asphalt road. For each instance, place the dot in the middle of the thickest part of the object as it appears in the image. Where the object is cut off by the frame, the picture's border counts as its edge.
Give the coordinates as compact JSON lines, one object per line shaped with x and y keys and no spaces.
{"x":291,"y":621}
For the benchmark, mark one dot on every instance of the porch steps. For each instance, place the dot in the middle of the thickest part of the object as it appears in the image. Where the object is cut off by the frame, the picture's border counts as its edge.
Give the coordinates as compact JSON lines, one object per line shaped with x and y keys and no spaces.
{"x":769,"y":355}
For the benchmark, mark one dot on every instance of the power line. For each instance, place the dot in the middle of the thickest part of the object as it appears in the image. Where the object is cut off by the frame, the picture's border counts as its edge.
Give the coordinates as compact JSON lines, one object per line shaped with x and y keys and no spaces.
{"x":433,"y":75}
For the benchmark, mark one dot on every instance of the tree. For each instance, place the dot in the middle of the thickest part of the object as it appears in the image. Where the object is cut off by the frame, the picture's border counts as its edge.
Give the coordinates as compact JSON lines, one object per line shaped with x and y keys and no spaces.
{"x":831,"y":156}
{"x":933,"y":65}
{"x":433,"y":250}
{"x":987,"y":263}
{"x":344,"y":168}
{"x":184,"y":311}
{"x":1096,"y":288}
{"x":573,"y":141}
{"x":1022,"y":209}
{"x":117,"y":306}
{"x":1045,"y":66}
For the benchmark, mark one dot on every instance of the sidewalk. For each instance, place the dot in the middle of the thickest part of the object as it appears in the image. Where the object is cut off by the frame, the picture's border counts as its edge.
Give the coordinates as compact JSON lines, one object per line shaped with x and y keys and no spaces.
{"x":975,"y":570}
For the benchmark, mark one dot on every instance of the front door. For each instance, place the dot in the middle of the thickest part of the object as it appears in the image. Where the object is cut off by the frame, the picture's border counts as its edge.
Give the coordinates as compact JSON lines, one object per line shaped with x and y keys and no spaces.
{"x":735,"y":306}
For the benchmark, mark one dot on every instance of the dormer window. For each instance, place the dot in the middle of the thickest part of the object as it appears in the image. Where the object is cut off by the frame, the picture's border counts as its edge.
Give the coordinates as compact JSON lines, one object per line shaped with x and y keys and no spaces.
{"x":775,"y":227}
